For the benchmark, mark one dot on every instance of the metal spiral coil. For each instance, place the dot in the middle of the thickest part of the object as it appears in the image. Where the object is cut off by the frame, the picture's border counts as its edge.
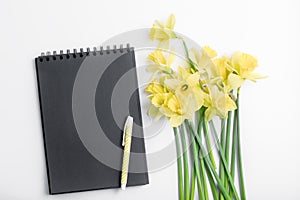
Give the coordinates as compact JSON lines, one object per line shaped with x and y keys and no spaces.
{"x":82,"y":53}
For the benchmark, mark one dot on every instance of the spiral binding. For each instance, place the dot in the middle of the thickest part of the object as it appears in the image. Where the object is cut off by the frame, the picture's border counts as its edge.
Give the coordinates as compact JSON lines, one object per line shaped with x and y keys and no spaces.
{"x":81,"y":53}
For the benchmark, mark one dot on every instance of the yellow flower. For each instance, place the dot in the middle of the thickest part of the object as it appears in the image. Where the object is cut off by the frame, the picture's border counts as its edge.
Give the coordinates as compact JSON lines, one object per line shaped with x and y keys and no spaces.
{"x":222,"y":67}
{"x":166,"y":104}
{"x":163,"y":31}
{"x":226,"y":74}
{"x":161,"y":64}
{"x":176,"y":97}
{"x":158,"y":94}
{"x":233,"y":82}
{"x":204,"y":62}
{"x":187,"y":91}
{"x":244,"y":64}
{"x":203,"y":57}
{"x":218,"y":103}
{"x":209,"y":52}
{"x":154,"y":88}
{"x":173,"y":110}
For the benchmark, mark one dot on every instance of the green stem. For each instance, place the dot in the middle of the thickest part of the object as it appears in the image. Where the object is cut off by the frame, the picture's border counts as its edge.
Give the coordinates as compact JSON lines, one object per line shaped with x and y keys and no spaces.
{"x":200,"y":114}
{"x":196,"y":165}
{"x":223,"y":159}
{"x":203,"y":175}
{"x":219,"y":181}
{"x":179,"y":164}
{"x":202,"y":166}
{"x":202,"y":190}
{"x":208,"y":163}
{"x":185,"y":163}
{"x":239,"y":153}
{"x":208,"y":144}
{"x":221,"y":169}
{"x":212,"y":183}
{"x":228,"y":129}
{"x":227,"y":145}
{"x":191,"y":63}
{"x":221,"y":186}
{"x":192,"y":192}
{"x":233,"y":149}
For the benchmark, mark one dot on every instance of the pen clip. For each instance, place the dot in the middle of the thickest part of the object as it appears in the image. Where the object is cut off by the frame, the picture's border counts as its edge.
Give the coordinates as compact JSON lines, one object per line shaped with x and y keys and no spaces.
{"x":128,"y":120}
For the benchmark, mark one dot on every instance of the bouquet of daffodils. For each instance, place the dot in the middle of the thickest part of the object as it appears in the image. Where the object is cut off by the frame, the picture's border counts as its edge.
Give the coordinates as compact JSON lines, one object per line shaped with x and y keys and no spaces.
{"x":190,"y":97}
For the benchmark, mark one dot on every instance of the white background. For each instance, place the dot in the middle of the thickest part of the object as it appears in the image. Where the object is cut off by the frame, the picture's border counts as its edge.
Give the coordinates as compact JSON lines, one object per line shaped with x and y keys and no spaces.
{"x":269,"y":30}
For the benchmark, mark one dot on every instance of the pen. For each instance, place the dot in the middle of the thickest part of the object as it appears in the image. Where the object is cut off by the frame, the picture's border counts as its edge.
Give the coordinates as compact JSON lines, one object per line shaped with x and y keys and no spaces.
{"x":127,"y":145}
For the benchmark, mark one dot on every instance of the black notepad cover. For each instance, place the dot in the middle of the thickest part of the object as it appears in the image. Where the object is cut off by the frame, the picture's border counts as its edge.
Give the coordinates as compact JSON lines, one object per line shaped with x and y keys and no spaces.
{"x":71,"y":166}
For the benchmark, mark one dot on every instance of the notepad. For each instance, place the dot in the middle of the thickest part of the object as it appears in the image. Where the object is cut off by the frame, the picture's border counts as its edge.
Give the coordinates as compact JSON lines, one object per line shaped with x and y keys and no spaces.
{"x":85,"y":98}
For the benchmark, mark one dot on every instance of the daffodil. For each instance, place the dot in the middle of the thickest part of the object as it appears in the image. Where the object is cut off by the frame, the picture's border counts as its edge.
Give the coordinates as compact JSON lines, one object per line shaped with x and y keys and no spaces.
{"x":235,"y":70}
{"x":244,"y":65}
{"x":202,"y":57}
{"x":155,"y":88}
{"x":163,"y":32}
{"x":226,"y":74}
{"x":217,"y":103}
{"x":188,"y":92}
{"x":222,"y":67}
{"x":157,"y":93}
{"x":186,"y":85}
{"x":164,"y":103}
{"x":204,"y":62}
{"x":173,"y":110}
{"x":177,"y":97}
{"x":160,"y":63}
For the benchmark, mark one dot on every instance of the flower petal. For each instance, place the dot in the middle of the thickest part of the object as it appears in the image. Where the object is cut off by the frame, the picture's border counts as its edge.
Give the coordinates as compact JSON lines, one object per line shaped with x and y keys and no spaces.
{"x":234,"y":81}
{"x":160,"y":24}
{"x":172,"y":83}
{"x":171,"y":22}
{"x":171,"y":58}
{"x":176,"y":121}
{"x":154,"y":112}
{"x":164,"y":43}
{"x":209,"y":51}
{"x":253,"y":77}
{"x":157,"y":57}
{"x":209,"y":113}
{"x":193,"y":80}
{"x":158,"y":100}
